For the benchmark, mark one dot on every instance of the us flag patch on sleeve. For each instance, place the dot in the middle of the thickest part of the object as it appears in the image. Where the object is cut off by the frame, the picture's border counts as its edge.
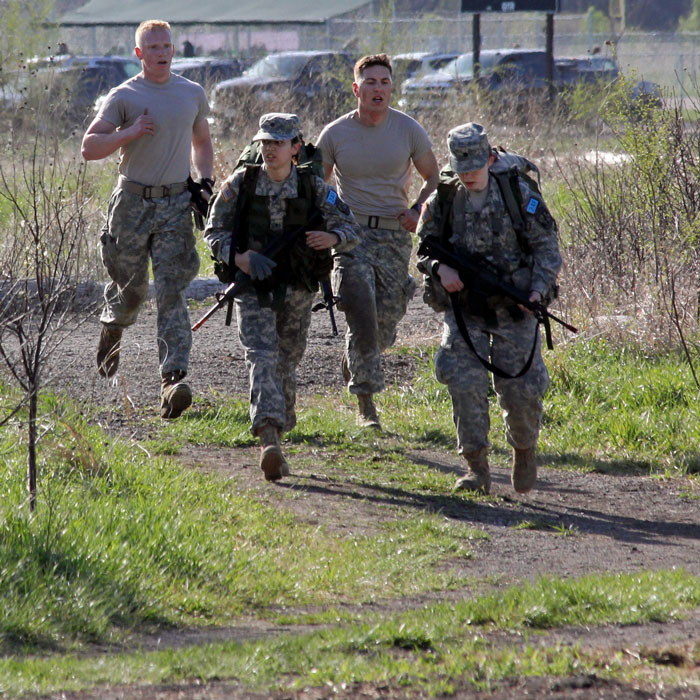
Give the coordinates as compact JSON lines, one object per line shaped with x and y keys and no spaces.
{"x":226,"y":191}
{"x":532,"y":205}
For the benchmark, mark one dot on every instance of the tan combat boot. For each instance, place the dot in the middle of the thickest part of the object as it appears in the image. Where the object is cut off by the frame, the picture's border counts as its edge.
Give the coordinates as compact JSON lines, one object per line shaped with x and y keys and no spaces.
{"x":175,"y":395}
{"x":524,"y":473}
{"x":272,"y":461}
{"x":108,"y":350}
{"x":480,"y":477}
{"x":368,"y":417}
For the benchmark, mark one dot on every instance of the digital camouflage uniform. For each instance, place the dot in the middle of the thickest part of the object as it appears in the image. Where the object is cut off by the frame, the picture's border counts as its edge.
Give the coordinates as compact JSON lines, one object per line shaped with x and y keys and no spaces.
{"x":162,"y":228}
{"x":506,"y":338}
{"x":273,"y":327}
{"x":374,"y":277}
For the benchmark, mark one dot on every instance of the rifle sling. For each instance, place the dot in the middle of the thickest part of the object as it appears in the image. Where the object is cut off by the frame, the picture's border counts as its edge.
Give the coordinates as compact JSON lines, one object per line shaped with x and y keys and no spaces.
{"x":249,"y":181}
{"x":454,"y":298}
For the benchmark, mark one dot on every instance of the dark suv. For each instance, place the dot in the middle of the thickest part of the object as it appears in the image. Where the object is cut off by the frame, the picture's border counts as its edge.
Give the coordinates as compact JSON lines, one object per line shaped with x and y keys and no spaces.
{"x":207,"y":70}
{"x":604,"y":70}
{"x":291,"y":80}
{"x":84,"y":78}
{"x":513,"y":70}
{"x":69,"y":83}
{"x":513,"y":75}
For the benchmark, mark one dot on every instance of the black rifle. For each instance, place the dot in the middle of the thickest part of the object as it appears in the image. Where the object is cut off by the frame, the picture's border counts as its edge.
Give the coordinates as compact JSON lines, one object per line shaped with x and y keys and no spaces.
{"x":272,"y":251}
{"x":329,"y":301}
{"x":481,"y":276}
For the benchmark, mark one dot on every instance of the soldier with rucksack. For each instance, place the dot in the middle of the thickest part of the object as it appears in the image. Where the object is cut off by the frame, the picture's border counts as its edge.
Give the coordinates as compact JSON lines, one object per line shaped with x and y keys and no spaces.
{"x":256,"y":207}
{"x":495,"y":218}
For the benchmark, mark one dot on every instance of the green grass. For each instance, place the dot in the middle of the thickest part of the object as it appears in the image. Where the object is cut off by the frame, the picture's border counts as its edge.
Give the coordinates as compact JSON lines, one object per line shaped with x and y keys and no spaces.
{"x":432,"y":648}
{"x":121,"y":540}
{"x":126,"y":541}
{"x":615,"y":408}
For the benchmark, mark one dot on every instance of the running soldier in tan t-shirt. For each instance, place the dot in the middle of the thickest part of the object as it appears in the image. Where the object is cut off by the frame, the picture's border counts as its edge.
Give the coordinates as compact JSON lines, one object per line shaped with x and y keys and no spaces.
{"x":371,"y":151}
{"x":158,"y":120}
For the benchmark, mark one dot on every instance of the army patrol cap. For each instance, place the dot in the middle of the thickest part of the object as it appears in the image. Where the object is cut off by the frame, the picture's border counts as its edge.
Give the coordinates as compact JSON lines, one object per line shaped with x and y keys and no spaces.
{"x":469,"y":147}
{"x":277,"y":126}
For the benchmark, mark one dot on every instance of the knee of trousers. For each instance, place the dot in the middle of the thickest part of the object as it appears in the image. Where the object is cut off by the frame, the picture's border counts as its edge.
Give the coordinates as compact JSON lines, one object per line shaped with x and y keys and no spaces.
{"x":528,"y":390}
{"x":130,"y":296}
{"x":451,"y":369}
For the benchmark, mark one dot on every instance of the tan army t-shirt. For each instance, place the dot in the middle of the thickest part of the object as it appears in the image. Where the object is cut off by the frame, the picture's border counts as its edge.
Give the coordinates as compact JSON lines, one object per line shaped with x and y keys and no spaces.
{"x":372,"y":164}
{"x":162,"y":158}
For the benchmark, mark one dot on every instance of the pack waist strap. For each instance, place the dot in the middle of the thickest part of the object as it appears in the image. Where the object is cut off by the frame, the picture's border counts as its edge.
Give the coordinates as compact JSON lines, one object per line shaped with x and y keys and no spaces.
{"x":152,"y":191}
{"x":379,"y":222}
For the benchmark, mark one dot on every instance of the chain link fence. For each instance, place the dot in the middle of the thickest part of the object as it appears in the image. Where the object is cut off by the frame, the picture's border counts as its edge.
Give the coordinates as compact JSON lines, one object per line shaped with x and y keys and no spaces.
{"x":670,"y":59}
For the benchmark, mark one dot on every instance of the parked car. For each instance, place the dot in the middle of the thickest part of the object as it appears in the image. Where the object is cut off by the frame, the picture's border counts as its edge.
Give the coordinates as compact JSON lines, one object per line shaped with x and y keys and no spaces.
{"x":513,"y":70}
{"x":69,"y":83}
{"x":410,"y":65}
{"x":516,"y":74}
{"x":207,"y":70}
{"x":604,"y":70}
{"x":294,"y":80}
{"x":587,"y":69}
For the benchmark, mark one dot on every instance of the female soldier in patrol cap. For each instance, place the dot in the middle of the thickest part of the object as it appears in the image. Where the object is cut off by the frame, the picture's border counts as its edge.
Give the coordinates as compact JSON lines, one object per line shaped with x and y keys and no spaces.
{"x":254,"y":208}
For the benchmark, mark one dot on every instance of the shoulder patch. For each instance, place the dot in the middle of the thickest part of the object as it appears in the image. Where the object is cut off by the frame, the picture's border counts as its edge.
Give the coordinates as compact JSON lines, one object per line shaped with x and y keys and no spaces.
{"x":333,"y":199}
{"x":532,"y":205}
{"x":226,"y":191}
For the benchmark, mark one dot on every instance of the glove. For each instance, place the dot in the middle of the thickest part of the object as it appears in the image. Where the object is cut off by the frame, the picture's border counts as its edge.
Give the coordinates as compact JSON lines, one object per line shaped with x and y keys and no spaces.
{"x":198,"y":204}
{"x":260,"y":266}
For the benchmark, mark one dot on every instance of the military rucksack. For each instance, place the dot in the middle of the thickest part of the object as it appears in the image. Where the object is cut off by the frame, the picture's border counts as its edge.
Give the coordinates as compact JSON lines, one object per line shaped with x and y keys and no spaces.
{"x":309,"y":155}
{"x":508,"y":169}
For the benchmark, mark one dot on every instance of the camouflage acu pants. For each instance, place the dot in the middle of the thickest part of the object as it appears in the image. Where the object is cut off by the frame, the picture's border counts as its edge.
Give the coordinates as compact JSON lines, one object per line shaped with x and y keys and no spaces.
{"x":274,"y":342}
{"x":467,"y":380}
{"x":160,"y":229}
{"x":375,"y":288}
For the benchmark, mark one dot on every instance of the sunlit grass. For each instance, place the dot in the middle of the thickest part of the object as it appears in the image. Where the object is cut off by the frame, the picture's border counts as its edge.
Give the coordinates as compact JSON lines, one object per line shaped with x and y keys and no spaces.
{"x":433,"y":648}
{"x":122,"y":539}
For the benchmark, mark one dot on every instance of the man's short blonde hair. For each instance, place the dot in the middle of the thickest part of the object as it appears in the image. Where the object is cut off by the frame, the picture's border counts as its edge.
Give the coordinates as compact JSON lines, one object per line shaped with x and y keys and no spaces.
{"x":149,"y":25}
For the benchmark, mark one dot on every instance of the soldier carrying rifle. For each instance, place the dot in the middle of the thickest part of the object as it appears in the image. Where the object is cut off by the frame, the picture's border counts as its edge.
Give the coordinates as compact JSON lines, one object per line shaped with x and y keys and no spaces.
{"x":256,"y":206}
{"x":486,"y":328}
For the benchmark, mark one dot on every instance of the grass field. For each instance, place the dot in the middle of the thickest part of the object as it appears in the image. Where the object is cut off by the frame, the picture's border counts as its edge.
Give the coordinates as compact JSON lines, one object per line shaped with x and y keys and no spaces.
{"x":126,"y":542}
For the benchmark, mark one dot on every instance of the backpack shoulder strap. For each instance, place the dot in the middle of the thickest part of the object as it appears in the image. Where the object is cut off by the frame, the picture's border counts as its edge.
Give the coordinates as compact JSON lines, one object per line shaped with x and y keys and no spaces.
{"x":250,"y":155}
{"x":509,"y":185}
{"x":245,"y":193}
{"x":446,"y":192}
{"x":305,"y":187}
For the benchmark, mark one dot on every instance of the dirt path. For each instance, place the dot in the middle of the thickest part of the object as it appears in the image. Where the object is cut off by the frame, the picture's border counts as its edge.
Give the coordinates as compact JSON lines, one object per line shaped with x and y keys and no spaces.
{"x":574,"y":524}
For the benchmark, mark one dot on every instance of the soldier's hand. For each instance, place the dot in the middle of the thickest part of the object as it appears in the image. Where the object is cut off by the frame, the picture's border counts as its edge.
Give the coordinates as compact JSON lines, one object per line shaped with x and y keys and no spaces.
{"x":321,"y":240}
{"x":408,"y":218}
{"x":143,"y":125}
{"x":534,"y":297}
{"x":449,"y":278}
{"x":260,"y":265}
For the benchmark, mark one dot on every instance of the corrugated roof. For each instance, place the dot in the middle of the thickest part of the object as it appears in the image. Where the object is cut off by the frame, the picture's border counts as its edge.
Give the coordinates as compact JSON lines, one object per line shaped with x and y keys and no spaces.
{"x":109,"y":12}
